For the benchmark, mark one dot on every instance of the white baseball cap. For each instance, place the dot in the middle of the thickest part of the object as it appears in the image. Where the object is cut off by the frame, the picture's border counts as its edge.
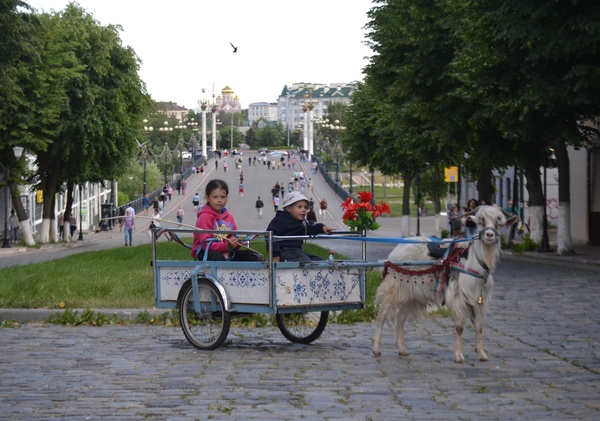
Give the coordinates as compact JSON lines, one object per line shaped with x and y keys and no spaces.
{"x":293,"y":197}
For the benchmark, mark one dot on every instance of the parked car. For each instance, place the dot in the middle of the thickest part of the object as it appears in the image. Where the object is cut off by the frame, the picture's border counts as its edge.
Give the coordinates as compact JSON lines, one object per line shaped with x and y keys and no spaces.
{"x":279,"y":153}
{"x":186,"y":155}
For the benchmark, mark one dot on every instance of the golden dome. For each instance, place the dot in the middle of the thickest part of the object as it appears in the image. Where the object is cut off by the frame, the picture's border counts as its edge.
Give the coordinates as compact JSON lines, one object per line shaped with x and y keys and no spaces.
{"x":227,"y":90}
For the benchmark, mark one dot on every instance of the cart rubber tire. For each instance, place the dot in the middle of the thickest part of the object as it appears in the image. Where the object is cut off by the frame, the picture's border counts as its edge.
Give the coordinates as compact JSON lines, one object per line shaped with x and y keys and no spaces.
{"x":302,"y":328}
{"x":208,"y":329}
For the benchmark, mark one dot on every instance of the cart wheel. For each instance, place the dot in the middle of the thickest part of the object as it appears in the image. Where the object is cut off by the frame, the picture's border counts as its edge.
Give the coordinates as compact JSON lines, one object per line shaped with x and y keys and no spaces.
{"x":302,"y":328}
{"x":208,"y":328}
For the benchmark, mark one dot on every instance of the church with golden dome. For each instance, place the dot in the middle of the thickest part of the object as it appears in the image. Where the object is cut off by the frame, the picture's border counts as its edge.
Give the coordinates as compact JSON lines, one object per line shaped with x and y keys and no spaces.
{"x":228,"y":101}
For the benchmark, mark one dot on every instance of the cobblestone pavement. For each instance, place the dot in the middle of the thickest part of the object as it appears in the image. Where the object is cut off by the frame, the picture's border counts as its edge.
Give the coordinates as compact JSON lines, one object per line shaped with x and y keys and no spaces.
{"x":542,"y":341}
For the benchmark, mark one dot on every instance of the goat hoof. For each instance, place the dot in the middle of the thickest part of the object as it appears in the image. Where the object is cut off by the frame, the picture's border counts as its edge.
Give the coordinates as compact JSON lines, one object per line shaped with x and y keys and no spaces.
{"x":377,"y":353}
{"x":484,"y":358}
{"x":403,"y":353}
{"x":459,"y":359}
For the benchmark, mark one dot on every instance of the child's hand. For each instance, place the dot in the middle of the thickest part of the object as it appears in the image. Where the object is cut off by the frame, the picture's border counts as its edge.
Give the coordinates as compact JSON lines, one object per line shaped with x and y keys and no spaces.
{"x":327,"y":229}
{"x":232,"y":243}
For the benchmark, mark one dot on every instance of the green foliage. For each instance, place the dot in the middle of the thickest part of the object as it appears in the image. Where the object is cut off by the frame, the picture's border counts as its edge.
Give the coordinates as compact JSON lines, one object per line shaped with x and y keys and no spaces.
{"x":132,"y":183}
{"x":268,"y":136}
{"x":527,"y":244}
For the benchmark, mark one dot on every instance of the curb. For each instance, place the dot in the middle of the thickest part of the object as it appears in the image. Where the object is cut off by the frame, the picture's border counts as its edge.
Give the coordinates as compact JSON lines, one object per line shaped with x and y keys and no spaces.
{"x":40,"y":315}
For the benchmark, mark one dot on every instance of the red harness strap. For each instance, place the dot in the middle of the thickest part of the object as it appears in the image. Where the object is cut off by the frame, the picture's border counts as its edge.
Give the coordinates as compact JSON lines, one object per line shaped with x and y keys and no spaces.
{"x":453,"y":257}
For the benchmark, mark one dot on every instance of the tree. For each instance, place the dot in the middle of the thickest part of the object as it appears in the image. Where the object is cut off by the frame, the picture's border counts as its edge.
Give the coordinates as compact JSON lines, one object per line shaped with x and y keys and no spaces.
{"x":106,"y":101}
{"x":534,"y":65}
{"x":31,"y":93}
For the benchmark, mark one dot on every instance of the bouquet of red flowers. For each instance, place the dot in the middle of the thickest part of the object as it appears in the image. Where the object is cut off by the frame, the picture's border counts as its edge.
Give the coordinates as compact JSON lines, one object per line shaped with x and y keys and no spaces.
{"x":361,"y":215}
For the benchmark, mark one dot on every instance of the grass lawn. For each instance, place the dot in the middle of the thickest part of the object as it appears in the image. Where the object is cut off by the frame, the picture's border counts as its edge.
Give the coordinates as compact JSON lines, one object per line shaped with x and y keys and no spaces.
{"x":116,"y":278}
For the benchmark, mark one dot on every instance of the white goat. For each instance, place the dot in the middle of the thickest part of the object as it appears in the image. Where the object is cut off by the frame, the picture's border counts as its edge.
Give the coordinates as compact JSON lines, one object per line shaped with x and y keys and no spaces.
{"x":403,"y":295}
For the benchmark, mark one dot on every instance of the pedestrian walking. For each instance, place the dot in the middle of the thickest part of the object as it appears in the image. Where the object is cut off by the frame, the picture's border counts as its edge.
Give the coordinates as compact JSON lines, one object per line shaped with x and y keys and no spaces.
{"x":323,"y":208}
{"x":14,"y":226}
{"x":259,"y":207}
{"x":224,"y":166}
{"x":268,"y":165}
{"x":183,"y":186}
{"x":127,"y":225}
{"x":72,"y":223}
{"x":241,"y":189}
{"x":179,"y":216}
{"x":202,"y":170}
{"x":170,"y":191}
{"x":146,"y":203}
{"x":196,"y":200}
{"x":276,"y":203}
{"x":61,"y":225}
{"x":179,"y":186}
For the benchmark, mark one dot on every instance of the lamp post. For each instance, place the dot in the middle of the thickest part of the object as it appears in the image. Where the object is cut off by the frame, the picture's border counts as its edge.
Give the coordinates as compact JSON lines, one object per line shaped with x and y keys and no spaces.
{"x":204,"y":105}
{"x":180,"y":146}
{"x":166,"y":154}
{"x":337,"y":155}
{"x":166,"y":151}
{"x":81,"y":213}
{"x":231,"y":146}
{"x":545,"y":246}
{"x":213,"y":112}
{"x":418,"y":205}
{"x":147,"y":129}
{"x":287,"y":118}
{"x":337,"y":129}
{"x":18,"y":152}
{"x":193,"y":125}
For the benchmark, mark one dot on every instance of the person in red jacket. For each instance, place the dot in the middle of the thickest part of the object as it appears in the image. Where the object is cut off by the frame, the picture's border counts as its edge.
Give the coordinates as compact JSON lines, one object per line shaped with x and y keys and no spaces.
{"x":214,"y":216}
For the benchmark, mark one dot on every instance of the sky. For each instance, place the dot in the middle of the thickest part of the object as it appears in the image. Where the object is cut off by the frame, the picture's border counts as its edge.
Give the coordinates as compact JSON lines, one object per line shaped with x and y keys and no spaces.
{"x":184,"y":45}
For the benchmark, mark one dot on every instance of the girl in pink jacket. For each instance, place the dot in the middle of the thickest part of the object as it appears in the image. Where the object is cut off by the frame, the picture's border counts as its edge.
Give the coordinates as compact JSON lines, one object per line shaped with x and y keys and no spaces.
{"x":214,"y":216}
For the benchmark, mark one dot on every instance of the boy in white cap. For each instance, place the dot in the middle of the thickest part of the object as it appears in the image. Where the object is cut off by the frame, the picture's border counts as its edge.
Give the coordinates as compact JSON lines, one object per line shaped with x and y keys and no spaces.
{"x":291,"y":221}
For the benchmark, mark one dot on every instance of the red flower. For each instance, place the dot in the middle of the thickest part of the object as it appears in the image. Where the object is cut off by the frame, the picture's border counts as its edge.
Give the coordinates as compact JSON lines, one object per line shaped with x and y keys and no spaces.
{"x":361,"y":216}
{"x":365,"y":196}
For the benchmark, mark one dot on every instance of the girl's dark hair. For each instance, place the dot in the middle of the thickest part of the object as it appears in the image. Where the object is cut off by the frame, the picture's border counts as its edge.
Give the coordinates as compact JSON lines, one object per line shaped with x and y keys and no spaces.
{"x":216,"y":184}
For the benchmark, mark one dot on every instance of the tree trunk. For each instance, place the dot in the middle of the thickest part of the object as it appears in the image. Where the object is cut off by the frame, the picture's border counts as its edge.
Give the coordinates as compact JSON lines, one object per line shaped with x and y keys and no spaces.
{"x":485,"y":187}
{"x":565,"y":243}
{"x":437,"y":207}
{"x":536,"y":200}
{"x":406,"y":205}
{"x":49,"y":187}
{"x":515,"y":201}
{"x":68,"y":211}
{"x":25,"y":227}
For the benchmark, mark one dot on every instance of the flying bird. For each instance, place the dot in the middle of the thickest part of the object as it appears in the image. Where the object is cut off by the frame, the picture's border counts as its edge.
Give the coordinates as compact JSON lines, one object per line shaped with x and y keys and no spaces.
{"x":234,"y":47}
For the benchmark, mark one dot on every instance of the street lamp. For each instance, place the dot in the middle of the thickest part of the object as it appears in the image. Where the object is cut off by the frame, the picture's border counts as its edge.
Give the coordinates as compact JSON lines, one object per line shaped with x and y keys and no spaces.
{"x":180,"y":146}
{"x":337,"y":155}
{"x":418,"y":204}
{"x":203,"y":105}
{"x":166,"y":154}
{"x":81,"y":213}
{"x":18,"y":151}
{"x":545,"y":246}
{"x":166,"y":151}
{"x":147,"y":129}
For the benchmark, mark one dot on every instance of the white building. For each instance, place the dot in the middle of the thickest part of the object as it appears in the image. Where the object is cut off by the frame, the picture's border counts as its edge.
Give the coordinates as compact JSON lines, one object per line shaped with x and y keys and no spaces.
{"x":291,"y":100}
{"x":264,"y":110}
